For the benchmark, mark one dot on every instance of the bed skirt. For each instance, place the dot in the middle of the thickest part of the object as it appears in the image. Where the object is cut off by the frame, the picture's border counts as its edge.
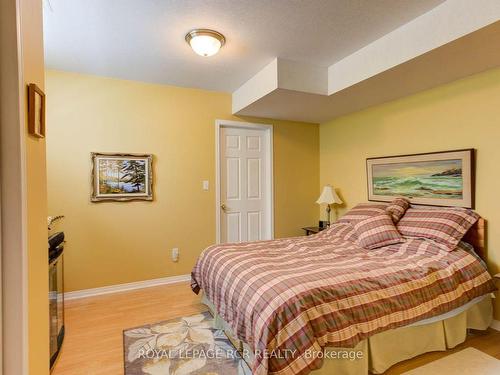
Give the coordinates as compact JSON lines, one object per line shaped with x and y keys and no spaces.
{"x":383,"y":350}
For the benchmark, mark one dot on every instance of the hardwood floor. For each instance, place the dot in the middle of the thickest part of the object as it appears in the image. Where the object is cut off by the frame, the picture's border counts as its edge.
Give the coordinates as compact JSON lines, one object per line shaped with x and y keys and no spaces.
{"x":93,"y":344}
{"x":94,"y":326}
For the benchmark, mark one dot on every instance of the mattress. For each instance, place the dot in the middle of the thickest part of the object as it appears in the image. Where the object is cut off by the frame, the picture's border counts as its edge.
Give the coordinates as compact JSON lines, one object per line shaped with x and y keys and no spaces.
{"x":307,"y":293}
{"x":434,"y":319}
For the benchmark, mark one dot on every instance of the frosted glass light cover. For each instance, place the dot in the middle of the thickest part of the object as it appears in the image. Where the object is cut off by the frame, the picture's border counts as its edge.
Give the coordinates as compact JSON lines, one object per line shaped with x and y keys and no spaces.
{"x":205,"y":45}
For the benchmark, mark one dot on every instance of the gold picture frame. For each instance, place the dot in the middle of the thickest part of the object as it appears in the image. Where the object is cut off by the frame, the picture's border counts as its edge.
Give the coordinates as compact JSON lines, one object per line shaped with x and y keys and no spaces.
{"x":121,"y":177}
{"x":36,"y":111}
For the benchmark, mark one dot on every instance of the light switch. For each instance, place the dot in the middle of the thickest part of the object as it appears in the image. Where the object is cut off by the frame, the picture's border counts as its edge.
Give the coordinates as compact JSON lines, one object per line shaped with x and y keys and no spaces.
{"x":205,"y":185}
{"x":175,"y":254}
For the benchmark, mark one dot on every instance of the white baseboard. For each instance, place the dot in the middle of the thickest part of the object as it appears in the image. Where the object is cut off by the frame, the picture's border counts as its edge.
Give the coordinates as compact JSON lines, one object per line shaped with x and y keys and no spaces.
{"x":125,"y":287}
{"x":495,"y":324}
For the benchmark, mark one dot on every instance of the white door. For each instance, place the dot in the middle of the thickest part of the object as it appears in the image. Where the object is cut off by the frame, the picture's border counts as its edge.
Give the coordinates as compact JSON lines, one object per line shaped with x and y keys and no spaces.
{"x":245,"y":195}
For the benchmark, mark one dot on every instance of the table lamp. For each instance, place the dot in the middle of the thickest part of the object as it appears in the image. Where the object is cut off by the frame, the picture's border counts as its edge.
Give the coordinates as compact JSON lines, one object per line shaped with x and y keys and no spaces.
{"x":329,"y":196}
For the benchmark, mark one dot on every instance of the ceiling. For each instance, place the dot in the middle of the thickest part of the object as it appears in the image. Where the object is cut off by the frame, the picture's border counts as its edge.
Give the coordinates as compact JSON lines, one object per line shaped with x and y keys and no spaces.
{"x":144,"y":40}
{"x":468,"y":55}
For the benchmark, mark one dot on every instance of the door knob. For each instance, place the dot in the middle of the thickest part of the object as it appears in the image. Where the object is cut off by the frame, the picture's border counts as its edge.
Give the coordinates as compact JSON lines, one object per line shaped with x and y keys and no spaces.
{"x":224,"y":207}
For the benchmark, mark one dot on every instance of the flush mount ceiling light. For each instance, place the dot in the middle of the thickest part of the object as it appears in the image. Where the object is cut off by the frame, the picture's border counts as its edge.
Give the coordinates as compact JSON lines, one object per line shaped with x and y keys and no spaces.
{"x":205,"y":42}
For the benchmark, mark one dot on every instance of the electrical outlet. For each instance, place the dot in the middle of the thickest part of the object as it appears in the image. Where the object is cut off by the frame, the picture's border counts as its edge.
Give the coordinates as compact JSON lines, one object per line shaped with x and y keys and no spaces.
{"x":175,"y":254}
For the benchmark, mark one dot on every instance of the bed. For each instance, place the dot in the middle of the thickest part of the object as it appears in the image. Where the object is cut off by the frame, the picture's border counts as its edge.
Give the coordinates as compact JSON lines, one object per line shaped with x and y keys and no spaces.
{"x":322,"y":304}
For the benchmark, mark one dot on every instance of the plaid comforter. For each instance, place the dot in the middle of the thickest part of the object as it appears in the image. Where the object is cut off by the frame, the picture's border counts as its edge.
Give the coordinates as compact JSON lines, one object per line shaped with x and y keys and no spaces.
{"x":289,"y":297}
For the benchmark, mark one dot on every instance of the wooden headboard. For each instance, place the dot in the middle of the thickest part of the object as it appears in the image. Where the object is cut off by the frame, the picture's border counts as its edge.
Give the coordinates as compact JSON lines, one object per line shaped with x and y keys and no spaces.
{"x":476,"y":236}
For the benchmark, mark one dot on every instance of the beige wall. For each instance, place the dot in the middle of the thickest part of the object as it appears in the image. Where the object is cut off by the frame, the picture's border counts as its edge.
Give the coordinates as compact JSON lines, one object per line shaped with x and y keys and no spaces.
{"x":111,"y":243}
{"x":462,"y":114}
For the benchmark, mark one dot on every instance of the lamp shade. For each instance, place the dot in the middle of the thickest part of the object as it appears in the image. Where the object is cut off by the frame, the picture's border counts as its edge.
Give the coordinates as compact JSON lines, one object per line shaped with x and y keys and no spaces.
{"x":329,"y":196}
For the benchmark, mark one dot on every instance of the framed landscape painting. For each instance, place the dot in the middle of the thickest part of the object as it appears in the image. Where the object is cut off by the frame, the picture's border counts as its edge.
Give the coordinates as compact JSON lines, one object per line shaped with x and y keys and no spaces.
{"x":121,"y":177}
{"x":438,"y":179}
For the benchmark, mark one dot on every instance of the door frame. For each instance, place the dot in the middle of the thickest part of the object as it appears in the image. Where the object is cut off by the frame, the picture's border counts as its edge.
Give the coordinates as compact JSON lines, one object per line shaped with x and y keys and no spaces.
{"x":219,"y":124}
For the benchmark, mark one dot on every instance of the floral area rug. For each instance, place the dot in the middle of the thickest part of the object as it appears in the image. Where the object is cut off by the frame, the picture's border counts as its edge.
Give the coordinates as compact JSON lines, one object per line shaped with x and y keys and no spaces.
{"x":188,"y":345}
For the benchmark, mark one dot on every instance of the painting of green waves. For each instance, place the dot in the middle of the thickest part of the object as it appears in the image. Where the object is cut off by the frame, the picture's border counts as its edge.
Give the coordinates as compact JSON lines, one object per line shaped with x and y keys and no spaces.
{"x":441,"y":179}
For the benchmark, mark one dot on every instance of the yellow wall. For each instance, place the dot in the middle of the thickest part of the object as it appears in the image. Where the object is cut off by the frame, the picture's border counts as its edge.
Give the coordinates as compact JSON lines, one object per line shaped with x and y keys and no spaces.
{"x":38,"y":318}
{"x":463,"y":114}
{"x":111,"y":243}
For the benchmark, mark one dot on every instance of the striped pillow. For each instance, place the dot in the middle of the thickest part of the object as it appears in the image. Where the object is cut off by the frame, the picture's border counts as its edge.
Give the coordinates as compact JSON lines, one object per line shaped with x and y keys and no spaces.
{"x":397,"y":208}
{"x":446,"y":226}
{"x":377,"y":231}
{"x":362,"y":211}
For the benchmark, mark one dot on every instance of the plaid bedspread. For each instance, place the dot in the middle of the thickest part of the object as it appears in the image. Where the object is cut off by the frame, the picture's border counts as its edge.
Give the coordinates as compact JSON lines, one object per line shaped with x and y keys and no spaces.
{"x":290,"y":297}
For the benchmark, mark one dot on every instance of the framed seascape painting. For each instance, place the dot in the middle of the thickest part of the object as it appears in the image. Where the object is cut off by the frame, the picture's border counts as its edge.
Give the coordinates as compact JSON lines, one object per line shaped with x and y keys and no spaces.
{"x":439,"y":179}
{"x":122,"y":177}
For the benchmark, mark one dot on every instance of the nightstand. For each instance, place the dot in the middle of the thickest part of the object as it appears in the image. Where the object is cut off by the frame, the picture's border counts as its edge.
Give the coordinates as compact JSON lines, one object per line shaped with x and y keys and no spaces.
{"x":312,"y":230}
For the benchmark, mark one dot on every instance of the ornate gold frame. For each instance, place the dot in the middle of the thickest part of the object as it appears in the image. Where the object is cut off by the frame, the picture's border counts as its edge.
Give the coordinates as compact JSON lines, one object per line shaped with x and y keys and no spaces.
{"x":95,"y":197}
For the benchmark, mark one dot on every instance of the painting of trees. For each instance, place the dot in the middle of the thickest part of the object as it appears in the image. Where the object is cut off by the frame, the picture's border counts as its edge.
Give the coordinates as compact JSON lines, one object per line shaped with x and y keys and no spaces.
{"x":119,"y":176}
{"x":110,"y":175}
{"x":134,"y":173}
